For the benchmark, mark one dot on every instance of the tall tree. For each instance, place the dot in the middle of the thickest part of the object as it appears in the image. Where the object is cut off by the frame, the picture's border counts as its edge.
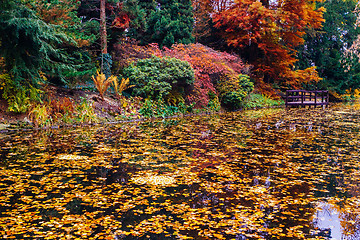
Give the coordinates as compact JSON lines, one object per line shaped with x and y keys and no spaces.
{"x":103,"y":33}
{"x":112,"y":22}
{"x":31,"y":47}
{"x":266,"y":34}
{"x":164,"y":22}
{"x":328,"y":49}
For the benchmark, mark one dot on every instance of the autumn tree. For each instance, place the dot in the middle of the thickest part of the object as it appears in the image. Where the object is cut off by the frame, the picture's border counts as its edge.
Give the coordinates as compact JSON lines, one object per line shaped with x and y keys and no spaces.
{"x":202,"y":19}
{"x":328,"y":49}
{"x":216,"y":72}
{"x":204,"y":31}
{"x":266,"y":33}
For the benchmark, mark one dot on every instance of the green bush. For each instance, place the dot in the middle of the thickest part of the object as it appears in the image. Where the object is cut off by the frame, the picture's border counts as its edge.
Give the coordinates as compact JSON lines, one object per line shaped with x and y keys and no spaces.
{"x":245,"y":83}
{"x":214,"y":103}
{"x":156,"y":77}
{"x":233,"y":100}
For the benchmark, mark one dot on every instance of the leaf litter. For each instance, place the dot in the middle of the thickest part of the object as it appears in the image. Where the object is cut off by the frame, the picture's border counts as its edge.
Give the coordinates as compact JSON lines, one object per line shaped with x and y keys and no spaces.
{"x":244,"y":175}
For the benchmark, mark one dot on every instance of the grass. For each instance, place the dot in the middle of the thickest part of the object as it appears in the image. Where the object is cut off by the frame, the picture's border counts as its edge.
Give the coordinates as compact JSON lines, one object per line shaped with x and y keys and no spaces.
{"x":256,"y":100}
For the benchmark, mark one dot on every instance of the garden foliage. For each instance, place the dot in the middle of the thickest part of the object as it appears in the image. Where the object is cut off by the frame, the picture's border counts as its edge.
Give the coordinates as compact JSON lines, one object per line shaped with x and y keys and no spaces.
{"x":39,"y":51}
{"x":159,"y":77}
{"x":266,"y":34}
{"x":164,"y":22}
{"x":328,"y":48}
{"x":215,"y":71}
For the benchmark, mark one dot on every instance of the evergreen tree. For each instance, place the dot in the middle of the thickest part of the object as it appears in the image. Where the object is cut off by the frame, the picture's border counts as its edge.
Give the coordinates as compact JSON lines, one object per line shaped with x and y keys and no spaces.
{"x":326,"y":49}
{"x":139,"y":11}
{"x":33,"y":48}
{"x":164,"y":22}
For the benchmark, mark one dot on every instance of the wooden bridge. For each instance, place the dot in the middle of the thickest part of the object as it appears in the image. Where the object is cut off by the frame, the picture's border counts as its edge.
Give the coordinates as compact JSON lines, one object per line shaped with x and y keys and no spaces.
{"x":306,"y":98}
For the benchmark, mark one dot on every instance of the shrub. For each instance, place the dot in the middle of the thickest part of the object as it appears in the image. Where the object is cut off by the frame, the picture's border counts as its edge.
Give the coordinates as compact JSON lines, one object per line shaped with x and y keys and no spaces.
{"x":40,"y":115}
{"x":213,"y":70}
{"x":19,"y":97}
{"x":62,"y":109}
{"x":156,"y":77}
{"x":214,"y":103}
{"x":119,"y":88}
{"x":245,"y":83}
{"x":233,"y":98}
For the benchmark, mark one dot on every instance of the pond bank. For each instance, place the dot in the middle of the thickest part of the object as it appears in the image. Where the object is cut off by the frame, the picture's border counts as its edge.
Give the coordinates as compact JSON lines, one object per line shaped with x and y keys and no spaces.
{"x":69,"y":107}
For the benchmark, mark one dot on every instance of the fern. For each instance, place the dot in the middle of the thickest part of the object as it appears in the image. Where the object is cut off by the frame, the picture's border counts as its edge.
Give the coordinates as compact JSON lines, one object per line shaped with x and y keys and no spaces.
{"x":102,"y":83}
{"x":124,"y":84}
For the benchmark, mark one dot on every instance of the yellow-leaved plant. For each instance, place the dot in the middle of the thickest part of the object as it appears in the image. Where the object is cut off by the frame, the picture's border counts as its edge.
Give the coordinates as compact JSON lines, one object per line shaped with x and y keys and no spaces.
{"x":119,"y":88}
{"x":102,"y":83}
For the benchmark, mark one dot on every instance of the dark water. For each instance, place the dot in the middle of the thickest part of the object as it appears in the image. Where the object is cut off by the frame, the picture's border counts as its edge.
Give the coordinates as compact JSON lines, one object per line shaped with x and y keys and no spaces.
{"x":266,"y":174}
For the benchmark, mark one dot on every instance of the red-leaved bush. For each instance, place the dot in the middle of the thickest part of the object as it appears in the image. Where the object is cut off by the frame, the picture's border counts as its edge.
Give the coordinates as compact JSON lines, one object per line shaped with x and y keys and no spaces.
{"x":211,"y":67}
{"x":215,"y":71}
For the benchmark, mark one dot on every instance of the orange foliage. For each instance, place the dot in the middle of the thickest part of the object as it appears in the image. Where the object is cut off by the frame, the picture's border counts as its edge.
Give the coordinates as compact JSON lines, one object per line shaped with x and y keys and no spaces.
{"x":61,"y":13}
{"x":61,"y":106}
{"x":121,"y":22}
{"x":129,"y":51}
{"x":269,"y":32}
{"x":302,"y":76}
{"x":213,"y":69}
{"x":56,"y":13}
{"x":203,"y":10}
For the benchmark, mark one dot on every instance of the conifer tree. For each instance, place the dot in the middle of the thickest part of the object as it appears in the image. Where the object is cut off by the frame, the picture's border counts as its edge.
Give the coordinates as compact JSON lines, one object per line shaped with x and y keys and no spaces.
{"x":164,"y":22}
{"x":33,"y":48}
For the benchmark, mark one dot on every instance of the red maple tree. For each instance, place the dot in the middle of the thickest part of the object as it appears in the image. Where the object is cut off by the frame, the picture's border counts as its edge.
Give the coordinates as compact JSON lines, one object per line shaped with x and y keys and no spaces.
{"x":266,"y":33}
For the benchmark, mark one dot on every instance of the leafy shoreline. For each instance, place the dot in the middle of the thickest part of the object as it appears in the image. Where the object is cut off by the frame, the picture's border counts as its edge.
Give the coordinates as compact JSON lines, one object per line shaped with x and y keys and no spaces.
{"x":72,"y":108}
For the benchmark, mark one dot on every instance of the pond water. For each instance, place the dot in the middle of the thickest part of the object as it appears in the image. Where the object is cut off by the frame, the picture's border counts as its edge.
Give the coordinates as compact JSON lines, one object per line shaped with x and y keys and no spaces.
{"x":265,"y":174}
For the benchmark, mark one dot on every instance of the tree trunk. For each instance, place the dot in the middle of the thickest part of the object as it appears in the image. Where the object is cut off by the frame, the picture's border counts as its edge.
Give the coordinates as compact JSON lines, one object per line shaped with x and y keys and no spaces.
{"x":103,"y":34}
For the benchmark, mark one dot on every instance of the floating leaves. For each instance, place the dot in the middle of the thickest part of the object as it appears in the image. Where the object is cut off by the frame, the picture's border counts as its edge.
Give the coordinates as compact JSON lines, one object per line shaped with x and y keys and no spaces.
{"x":158,"y":180}
{"x":228,"y":176}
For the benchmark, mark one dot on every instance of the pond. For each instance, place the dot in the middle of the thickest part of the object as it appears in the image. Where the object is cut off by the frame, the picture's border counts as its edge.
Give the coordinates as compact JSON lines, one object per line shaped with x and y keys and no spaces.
{"x":264,"y":174}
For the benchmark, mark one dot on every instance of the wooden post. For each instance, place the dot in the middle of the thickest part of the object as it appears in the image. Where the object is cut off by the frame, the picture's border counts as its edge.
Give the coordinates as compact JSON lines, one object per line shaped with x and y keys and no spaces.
{"x":327,"y":99}
{"x":302,"y":97}
{"x":315,"y":99}
{"x":286,"y":99}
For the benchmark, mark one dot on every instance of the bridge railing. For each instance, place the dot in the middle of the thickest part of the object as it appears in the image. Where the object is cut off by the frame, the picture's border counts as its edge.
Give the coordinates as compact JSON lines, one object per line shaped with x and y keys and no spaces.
{"x":306,"y":98}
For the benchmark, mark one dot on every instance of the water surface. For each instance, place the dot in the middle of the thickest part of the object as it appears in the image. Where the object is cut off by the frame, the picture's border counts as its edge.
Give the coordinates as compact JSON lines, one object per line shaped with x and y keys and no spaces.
{"x":265,"y":174}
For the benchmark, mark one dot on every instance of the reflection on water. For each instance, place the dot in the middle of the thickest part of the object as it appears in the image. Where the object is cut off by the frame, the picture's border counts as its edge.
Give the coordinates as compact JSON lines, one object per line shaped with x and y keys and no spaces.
{"x":327,"y":222}
{"x":266,"y":174}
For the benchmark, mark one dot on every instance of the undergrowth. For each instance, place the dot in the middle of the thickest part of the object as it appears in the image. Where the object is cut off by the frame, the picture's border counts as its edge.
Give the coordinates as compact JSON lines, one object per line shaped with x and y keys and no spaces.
{"x":256,"y":100}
